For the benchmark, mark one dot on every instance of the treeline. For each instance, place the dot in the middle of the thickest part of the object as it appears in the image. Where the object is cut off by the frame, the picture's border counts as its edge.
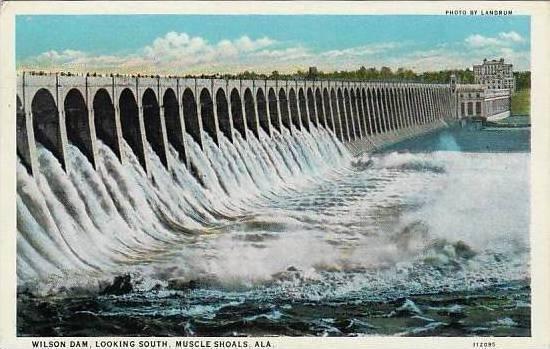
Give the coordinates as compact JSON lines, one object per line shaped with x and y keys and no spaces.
{"x":465,"y":76}
{"x":523,"y":80}
{"x":364,"y":74}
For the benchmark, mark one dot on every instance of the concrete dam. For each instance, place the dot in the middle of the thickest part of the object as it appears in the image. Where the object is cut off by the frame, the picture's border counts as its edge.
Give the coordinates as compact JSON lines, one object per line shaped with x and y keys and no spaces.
{"x":113,"y":168}
{"x":57,"y":109}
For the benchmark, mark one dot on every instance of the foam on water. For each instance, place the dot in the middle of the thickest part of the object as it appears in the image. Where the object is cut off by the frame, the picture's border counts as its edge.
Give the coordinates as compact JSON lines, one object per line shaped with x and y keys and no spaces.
{"x":293,"y":216}
{"x":92,"y":220}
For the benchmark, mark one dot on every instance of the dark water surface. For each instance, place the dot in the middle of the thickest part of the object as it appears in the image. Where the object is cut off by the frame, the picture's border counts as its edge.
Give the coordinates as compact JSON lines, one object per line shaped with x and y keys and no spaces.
{"x":428,"y":238}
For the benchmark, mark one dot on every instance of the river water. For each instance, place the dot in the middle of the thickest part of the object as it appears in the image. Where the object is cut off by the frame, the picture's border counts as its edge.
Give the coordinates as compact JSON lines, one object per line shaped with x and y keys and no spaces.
{"x":285,"y":236}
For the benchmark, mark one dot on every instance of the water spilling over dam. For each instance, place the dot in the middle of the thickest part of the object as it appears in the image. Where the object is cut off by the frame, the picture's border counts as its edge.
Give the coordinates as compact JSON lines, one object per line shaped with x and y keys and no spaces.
{"x":253,"y":207}
{"x":277,"y":133}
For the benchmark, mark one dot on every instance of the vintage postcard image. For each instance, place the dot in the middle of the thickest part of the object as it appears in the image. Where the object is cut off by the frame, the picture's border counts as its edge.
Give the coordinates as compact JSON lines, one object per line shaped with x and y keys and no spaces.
{"x":253,"y":177}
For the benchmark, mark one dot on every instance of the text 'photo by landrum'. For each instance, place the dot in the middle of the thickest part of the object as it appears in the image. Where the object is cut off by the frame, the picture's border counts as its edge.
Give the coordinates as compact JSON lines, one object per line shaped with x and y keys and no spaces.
{"x":273,"y":175}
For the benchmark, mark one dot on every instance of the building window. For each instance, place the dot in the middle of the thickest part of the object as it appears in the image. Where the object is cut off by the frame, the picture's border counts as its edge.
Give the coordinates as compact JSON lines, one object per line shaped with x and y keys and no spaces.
{"x":478,"y":108}
{"x":470,"y":108}
{"x":462,"y":109}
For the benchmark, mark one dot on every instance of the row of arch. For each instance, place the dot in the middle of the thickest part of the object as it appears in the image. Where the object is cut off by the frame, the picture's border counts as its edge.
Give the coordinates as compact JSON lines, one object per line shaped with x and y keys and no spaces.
{"x":350,"y":113}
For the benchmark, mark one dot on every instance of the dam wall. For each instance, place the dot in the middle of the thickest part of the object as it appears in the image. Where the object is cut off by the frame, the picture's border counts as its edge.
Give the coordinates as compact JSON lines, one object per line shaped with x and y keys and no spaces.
{"x":57,"y":109}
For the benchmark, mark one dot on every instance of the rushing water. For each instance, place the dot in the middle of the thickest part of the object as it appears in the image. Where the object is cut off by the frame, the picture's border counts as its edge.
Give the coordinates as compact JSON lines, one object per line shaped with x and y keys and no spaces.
{"x":283,"y":236}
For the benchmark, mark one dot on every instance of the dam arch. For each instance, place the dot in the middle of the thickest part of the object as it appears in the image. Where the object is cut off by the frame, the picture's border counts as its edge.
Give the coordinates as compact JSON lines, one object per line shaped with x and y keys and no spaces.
{"x":335,"y":115}
{"x":386,"y":102}
{"x":360,"y":112}
{"x":355,"y":115}
{"x":397,"y":111}
{"x":426,"y":103}
{"x":237,"y":112}
{"x":441,"y":103}
{"x":427,"y":107}
{"x":153,"y":124}
{"x":77,"y":124}
{"x":372,"y":110}
{"x":284,"y":106}
{"x":416,"y":106}
{"x":273,"y":110}
{"x":131,"y":129}
{"x":23,"y":148}
{"x":191,"y":116}
{"x":407,"y":108}
{"x":383,"y":110}
{"x":366,"y":113}
{"x":46,"y":124}
{"x":224,"y":120}
{"x":421,"y":108}
{"x":302,"y":107}
{"x":379,"y":111}
{"x":348,"y":116}
{"x":435,"y":102}
{"x":319,"y":107}
{"x":341,"y":112}
{"x":404,"y":108}
{"x":328,"y":111}
{"x":392,"y":112}
{"x":250,"y":112}
{"x":393,"y":109}
{"x":207,"y":115}
{"x":413,"y":107}
{"x":172,"y":121}
{"x":398,"y":107}
{"x":106,"y":129}
{"x":263,"y":118}
{"x":311,"y":107}
{"x":294,"y":114}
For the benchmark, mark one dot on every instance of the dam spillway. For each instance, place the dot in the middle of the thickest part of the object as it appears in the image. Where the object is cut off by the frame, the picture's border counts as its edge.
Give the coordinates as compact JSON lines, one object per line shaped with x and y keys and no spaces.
{"x":56,"y":109}
{"x":125,"y":164}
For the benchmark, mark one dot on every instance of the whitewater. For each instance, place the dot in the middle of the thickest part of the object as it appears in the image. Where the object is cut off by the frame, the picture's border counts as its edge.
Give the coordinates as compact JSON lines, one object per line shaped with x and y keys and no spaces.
{"x":286,"y":235}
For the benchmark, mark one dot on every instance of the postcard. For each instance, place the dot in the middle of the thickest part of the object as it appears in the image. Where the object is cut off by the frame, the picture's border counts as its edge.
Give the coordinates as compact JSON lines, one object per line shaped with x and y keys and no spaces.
{"x":274,"y":174}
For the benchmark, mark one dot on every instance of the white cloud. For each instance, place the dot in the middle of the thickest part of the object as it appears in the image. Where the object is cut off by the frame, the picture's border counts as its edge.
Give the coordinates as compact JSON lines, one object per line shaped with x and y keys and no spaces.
{"x":478,"y":40}
{"x":459,"y":57}
{"x":63,"y":56}
{"x":180,"y":49}
{"x":502,"y":39}
{"x":365,"y":50}
{"x":171,"y":53}
{"x":512,"y":36}
{"x":181,"y":53}
{"x":290,"y":53}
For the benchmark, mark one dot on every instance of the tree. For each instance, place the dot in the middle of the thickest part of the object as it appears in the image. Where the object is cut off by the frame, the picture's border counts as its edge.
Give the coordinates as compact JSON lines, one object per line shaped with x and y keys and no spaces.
{"x":523,"y":80}
{"x":385,"y":72}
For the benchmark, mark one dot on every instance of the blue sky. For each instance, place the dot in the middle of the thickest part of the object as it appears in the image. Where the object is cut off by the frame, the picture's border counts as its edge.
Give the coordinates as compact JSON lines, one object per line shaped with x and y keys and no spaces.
{"x":179,"y":44}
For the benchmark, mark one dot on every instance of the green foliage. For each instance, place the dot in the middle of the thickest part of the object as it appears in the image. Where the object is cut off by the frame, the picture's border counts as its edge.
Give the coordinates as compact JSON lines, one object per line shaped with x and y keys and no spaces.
{"x":247,"y":75}
{"x":365,"y":74}
{"x":521,"y":102}
{"x":523,"y":80}
{"x":465,"y":76}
